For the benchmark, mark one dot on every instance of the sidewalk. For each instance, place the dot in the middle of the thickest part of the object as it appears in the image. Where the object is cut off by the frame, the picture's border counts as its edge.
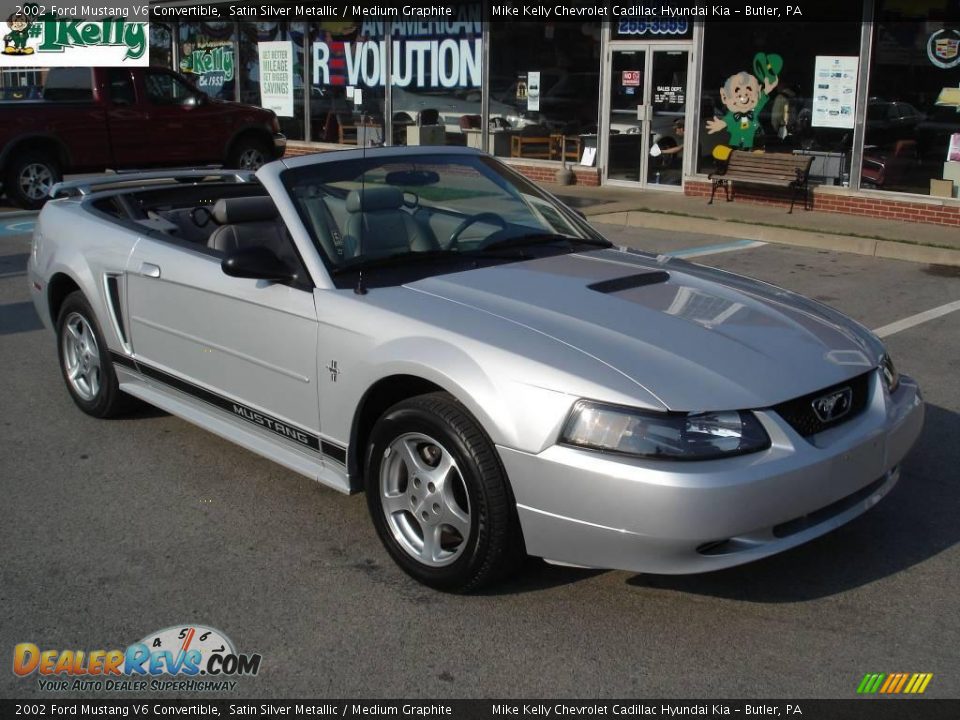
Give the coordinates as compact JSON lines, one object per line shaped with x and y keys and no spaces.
{"x":664,"y":210}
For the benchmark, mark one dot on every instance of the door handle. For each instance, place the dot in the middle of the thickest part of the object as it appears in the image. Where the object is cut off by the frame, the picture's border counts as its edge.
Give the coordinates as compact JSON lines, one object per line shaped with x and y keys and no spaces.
{"x":150,"y":270}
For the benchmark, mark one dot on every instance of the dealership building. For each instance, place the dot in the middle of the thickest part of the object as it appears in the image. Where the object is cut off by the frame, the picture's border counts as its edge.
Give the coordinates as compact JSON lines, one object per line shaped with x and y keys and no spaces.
{"x":872,"y":97}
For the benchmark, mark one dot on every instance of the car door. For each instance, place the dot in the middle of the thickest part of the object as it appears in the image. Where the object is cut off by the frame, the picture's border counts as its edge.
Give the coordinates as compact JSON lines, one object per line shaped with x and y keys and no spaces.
{"x":126,"y":118}
{"x":181,"y":121}
{"x":245,"y":346}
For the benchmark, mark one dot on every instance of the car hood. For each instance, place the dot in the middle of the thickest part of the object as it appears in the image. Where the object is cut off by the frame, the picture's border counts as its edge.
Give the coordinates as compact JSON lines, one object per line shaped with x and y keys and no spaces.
{"x":694,"y":337}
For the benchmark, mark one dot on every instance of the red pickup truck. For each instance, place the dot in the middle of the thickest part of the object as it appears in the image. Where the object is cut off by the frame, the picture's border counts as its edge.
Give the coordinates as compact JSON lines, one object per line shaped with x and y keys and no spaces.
{"x":94,"y":119}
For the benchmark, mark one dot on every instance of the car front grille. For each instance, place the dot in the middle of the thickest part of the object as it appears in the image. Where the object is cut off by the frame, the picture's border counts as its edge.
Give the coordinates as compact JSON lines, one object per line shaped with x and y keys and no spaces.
{"x":800,"y":415}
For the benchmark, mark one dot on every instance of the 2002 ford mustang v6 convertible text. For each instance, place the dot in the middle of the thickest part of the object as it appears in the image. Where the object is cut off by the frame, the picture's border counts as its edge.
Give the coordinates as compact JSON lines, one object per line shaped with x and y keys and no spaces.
{"x":430,"y":327}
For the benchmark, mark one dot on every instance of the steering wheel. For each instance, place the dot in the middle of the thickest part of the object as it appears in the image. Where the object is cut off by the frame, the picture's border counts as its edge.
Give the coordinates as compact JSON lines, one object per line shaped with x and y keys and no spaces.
{"x":207,"y":213}
{"x":487,"y":217}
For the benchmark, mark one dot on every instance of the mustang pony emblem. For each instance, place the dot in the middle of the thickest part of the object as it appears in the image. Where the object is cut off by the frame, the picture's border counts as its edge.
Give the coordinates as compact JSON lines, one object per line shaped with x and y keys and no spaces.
{"x":833,"y":406}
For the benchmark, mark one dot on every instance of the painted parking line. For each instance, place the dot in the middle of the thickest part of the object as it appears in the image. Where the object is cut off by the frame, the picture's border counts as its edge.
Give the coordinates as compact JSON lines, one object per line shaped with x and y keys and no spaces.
{"x":715,"y":249}
{"x":914,"y":320}
{"x":17,"y":227}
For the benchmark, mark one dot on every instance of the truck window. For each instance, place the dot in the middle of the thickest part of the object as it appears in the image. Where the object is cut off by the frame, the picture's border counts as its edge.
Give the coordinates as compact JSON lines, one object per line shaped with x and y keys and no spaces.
{"x":121,"y":87}
{"x":69,"y":85}
{"x":166,"y":89}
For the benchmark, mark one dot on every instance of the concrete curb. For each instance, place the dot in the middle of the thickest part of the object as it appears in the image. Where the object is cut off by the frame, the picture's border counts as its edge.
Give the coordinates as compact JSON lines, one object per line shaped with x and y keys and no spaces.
{"x":14,"y":214}
{"x":890,"y":249}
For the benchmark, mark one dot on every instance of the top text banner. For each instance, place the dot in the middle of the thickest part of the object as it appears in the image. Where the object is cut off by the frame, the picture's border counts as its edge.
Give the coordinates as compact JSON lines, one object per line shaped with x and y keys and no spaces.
{"x":438,"y":11}
{"x":507,"y":11}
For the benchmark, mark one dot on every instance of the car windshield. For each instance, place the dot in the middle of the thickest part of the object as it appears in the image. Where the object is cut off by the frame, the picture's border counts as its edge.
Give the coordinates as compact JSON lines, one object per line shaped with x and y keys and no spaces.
{"x":427,"y":209}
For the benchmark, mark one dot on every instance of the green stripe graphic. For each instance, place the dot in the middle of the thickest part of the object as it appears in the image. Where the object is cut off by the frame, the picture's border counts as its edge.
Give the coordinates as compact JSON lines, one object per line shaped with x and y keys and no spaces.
{"x":863,"y":683}
{"x":877,"y":683}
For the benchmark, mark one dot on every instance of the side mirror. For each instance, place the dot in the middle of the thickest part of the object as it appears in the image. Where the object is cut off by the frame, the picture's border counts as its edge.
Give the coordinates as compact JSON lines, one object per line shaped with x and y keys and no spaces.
{"x":256,"y":262}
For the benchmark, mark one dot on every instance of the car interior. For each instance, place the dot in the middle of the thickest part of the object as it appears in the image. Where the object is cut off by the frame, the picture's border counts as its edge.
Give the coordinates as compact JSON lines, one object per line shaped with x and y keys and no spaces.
{"x":372,"y":220}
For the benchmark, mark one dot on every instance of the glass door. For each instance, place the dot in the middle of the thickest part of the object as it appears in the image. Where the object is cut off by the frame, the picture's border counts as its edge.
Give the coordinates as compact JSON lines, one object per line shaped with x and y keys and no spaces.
{"x":645,"y":120}
{"x":626,"y":111}
{"x":668,"y":103}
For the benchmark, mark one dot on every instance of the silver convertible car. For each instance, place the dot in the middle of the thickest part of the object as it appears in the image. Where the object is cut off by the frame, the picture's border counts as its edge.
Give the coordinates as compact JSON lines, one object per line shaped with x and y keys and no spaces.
{"x":430,"y":327}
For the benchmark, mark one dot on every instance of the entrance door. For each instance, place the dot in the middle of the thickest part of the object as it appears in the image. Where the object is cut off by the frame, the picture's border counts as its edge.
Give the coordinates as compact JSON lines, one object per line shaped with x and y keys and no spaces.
{"x":646,"y":100}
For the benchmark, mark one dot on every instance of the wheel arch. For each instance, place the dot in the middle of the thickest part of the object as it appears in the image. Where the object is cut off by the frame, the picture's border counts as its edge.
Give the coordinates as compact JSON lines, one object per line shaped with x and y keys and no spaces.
{"x":59,"y":287}
{"x":383,"y":394}
{"x":248,"y":131}
{"x":46,"y":143}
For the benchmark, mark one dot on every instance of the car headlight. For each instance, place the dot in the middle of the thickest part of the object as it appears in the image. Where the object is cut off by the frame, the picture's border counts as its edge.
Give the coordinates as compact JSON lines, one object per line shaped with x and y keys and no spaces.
{"x":890,"y":375}
{"x":677,"y":436}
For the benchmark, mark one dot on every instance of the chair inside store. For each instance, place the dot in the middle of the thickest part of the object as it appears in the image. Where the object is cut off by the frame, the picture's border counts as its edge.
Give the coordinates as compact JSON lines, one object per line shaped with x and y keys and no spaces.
{"x":566,"y":147}
{"x":533,"y":141}
{"x":429,"y":116}
{"x":888,"y":170}
{"x":470,"y":122}
{"x":346,"y":129}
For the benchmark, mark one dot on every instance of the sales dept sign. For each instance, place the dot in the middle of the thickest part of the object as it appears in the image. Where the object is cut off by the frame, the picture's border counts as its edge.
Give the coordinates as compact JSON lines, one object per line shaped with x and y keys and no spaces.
{"x":34,"y":37}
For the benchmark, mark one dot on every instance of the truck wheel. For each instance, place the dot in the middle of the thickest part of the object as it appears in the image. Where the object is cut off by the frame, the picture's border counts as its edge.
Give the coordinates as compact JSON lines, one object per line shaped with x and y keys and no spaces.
{"x":248,"y":154}
{"x":439,"y":497}
{"x":85,"y":361}
{"x":29,"y":178}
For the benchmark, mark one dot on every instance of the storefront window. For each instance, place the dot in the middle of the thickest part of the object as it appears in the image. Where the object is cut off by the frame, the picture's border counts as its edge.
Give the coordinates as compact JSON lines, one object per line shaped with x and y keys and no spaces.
{"x":285,"y":53}
{"x":436,"y":79}
{"x":161,"y":44}
{"x":544,"y":89}
{"x":764,"y":89}
{"x":208,"y":57}
{"x":21,"y":83}
{"x":347,"y":83}
{"x":913,"y":115}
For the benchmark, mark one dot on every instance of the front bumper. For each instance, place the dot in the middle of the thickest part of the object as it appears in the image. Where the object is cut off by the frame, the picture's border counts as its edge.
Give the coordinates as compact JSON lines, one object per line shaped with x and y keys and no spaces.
{"x":585,"y":508}
{"x":279,"y":145}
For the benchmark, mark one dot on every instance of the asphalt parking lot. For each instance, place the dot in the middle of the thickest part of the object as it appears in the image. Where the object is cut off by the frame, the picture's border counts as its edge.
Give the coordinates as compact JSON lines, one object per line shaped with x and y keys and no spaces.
{"x":112,"y":529}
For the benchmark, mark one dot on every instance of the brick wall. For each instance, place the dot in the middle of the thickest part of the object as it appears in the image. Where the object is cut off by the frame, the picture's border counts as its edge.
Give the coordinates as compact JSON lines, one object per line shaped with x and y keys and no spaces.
{"x":829,"y":199}
{"x":548,"y":173}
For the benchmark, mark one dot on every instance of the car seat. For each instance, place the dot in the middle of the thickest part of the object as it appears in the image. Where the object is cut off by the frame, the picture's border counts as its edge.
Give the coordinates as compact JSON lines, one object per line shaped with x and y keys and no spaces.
{"x":377,"y":225}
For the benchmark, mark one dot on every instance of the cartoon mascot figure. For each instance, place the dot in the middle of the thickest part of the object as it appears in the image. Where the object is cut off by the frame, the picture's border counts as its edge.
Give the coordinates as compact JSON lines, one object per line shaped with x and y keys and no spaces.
{"x":744,"y":97}
{"x":15,"y":41}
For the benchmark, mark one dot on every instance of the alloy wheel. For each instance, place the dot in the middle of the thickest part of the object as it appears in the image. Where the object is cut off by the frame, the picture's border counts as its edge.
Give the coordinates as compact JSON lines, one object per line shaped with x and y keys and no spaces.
{"x":424,"y":499}
{"x":35,"y":180}
{"x":81,"y":357}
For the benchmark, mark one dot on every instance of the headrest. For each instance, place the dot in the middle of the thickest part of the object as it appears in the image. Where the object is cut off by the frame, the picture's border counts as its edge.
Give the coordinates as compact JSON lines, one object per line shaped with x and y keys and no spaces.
{"x":374,"y":198}
{"x":228,"y":211}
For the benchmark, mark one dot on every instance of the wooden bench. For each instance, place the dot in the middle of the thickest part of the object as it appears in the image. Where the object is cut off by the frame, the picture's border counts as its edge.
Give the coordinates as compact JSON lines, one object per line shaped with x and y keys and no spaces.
{"x":777,"y":169}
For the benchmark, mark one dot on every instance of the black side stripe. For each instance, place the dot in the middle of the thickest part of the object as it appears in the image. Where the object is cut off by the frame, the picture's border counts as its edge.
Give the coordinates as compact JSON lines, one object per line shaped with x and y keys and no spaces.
{"x":334,"y":452}
{"x":278,"y":427}
{"x":121,"y":359}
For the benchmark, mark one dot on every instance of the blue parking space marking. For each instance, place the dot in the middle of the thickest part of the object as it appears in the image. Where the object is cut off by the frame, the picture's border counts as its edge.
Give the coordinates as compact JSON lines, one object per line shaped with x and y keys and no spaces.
{"x":17,"y":226}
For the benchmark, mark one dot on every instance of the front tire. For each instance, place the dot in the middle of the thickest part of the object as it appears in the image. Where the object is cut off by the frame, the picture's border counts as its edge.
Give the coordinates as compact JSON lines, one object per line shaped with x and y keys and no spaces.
{"x":439,"y":497}
{"x":85,"y":361}
{"x":30,"y":176}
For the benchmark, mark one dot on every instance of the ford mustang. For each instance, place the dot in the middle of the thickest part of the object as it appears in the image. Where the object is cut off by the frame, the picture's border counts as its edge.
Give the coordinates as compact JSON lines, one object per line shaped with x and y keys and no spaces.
{"x":427,"y":326}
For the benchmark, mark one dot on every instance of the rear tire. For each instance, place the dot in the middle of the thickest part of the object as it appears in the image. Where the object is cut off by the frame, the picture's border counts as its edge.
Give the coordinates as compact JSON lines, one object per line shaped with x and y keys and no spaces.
{"x":439,"y":497}
{"x":30,"y":176}
{"x":85,"y":361}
